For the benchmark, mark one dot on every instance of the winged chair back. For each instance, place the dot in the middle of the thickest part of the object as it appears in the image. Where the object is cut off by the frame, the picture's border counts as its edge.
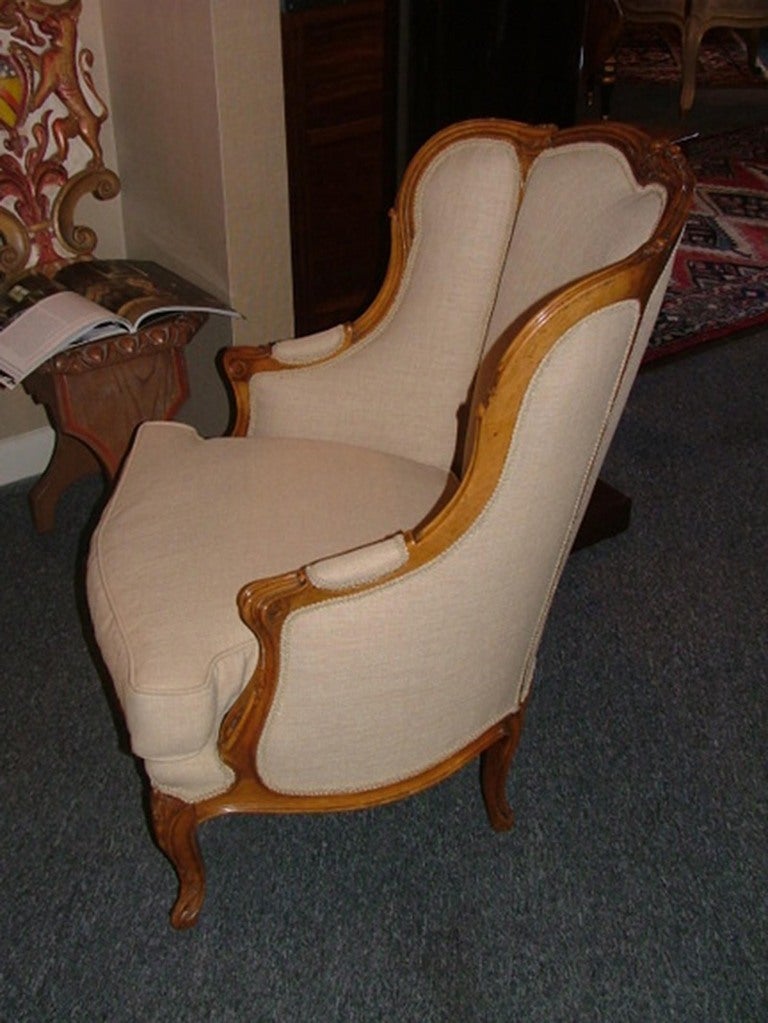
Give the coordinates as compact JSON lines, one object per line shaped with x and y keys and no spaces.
{"x":389,"y":630}
{"x":483,"y":229}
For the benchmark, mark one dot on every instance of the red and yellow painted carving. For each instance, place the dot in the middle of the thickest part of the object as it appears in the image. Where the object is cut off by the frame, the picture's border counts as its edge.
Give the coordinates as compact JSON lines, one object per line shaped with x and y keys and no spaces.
{"x":50,"y":121}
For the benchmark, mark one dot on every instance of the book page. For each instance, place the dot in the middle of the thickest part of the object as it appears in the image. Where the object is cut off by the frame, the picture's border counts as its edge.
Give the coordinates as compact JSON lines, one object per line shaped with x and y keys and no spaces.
{"x":49,"y":326}
{"x":23,"y":294}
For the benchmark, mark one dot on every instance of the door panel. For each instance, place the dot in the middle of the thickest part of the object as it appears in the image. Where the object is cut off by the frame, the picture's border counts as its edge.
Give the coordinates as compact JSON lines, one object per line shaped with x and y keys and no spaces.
{"x":339,"y":70}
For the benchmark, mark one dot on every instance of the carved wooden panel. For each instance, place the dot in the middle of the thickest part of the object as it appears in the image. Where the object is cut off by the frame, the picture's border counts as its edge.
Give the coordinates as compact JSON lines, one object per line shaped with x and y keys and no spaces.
{"x":50,"y":122}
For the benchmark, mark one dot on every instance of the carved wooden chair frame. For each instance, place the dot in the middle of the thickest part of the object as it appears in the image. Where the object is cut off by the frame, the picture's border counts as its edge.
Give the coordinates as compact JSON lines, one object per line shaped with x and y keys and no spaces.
{"x":264,"y":604}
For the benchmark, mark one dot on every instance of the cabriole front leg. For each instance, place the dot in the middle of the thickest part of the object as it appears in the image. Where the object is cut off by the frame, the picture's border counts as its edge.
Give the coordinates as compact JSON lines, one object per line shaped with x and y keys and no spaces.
{"x":175,"y":826}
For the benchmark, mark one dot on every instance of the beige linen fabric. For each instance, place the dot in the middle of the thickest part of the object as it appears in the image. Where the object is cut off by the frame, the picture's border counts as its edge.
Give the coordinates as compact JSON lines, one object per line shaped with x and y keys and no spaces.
{"x":401,"y":387}
{"x":300,"y":350}
{"x":582,"y":211}
{"x":173,"y":548}
{"x":361,"y":566}
{"x":421,"y":665}
{"x":378,"y":686}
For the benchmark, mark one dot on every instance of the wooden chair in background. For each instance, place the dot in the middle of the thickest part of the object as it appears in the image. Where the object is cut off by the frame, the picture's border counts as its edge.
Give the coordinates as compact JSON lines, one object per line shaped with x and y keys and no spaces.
{"x":693,"y":19}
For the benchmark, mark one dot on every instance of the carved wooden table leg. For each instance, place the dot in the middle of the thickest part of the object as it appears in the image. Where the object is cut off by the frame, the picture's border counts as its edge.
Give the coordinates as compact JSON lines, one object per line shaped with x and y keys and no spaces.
{"x":96,"y":395}
{"x":603,"y":27}
{"x":71,"y":460}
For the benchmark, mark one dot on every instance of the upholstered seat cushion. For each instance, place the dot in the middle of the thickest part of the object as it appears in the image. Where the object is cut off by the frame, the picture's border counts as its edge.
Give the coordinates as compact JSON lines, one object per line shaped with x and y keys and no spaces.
{"x":173,"y":549}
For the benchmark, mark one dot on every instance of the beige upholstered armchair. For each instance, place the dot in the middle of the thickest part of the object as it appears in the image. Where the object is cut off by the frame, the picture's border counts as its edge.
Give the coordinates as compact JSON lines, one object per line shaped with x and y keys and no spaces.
{"x":341,"y":604}
{"x":695,"y":18}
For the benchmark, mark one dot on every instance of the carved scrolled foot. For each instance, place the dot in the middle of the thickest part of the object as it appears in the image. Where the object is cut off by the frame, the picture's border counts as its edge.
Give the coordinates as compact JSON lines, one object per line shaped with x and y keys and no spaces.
{"x":494,"y":769}
{"x":175,"y":827}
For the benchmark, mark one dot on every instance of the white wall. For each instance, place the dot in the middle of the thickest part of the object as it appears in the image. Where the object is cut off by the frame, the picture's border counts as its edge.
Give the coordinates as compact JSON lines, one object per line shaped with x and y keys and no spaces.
{"x":198,"y":115}
{"x":249,"y":71}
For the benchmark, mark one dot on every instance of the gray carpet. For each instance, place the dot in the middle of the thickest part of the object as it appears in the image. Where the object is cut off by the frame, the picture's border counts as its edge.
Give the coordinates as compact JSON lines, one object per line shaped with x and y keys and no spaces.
{"x":633,"y":887}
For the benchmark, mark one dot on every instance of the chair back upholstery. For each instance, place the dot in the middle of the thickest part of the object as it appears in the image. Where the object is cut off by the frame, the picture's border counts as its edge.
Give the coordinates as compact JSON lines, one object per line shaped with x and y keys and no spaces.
{"x":488,"y":221}
{"x":405,"y":378}
{"x":583,"y":209}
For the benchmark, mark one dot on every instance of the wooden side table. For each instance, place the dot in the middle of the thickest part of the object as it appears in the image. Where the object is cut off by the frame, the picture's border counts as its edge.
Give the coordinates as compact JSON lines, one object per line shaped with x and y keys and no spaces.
{"x":97,"y":394}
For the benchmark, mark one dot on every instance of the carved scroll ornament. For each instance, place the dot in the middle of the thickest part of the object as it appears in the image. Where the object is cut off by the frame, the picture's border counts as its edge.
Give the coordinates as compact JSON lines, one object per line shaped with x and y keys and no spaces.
{"x":50,"y":122}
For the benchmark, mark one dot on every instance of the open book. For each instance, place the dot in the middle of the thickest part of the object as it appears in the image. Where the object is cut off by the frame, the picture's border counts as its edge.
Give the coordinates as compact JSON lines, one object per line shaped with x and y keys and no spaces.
{"x":83,"y":302}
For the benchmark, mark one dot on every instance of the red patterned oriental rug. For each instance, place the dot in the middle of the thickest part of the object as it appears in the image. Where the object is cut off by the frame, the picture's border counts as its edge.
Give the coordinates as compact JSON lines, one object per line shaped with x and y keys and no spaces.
{"x":719,"y":283}
{"x":652,"y":54}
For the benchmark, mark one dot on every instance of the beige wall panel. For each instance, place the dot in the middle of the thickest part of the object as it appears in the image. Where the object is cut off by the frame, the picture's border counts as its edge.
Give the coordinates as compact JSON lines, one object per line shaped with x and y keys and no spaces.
{"x":249,"y":72}
{"x":19,"y":414}
{"x":197,"y":100}
{"x":163,"y":86}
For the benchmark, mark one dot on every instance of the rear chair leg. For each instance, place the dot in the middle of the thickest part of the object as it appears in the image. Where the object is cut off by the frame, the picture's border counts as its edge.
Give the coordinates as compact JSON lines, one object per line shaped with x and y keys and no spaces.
{"x":175,"y":826}
{"x":494,"y":769}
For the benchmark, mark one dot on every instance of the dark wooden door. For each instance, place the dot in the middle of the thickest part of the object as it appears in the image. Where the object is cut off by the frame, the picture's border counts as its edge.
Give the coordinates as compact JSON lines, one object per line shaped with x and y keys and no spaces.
{"x":366,"y":83}
{"x":340,"y":94}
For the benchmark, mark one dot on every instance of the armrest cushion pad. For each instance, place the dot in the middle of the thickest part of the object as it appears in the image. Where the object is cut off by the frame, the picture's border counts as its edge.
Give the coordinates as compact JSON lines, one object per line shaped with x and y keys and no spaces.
{"x":301,"y":351}
{"x":360,"y":566}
